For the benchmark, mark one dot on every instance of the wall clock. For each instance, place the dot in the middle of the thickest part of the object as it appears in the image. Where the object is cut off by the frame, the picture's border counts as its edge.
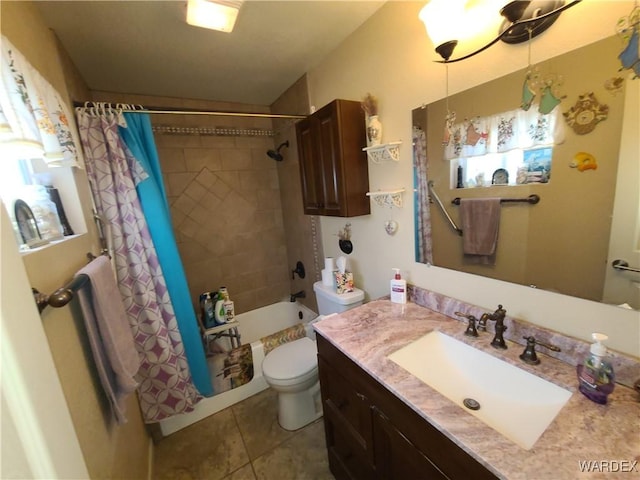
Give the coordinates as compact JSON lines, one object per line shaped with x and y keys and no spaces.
{"x":500,"y":177}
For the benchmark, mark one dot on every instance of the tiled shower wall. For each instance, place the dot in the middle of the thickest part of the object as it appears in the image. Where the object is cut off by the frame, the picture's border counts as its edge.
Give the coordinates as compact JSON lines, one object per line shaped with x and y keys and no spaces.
{"x":225,"y":202}
{"x":304,"y":240}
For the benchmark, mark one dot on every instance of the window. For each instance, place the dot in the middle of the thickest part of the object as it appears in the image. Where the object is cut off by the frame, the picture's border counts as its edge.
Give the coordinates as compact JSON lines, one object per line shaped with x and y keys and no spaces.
{"x":510,"y":148}
{"x":515,"y":167}
{"x":35,"y":136}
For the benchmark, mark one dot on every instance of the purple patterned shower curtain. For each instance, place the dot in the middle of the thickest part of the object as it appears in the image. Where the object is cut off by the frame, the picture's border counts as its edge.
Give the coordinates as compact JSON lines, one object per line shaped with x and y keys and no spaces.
{"x":424,"y":250}
{"x":166,"y":387}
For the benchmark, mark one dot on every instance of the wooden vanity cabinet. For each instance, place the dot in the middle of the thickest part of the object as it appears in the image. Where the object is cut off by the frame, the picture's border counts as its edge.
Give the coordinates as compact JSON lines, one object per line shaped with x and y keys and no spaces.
{"x":372,"y":434}
{"x":334,"y":172}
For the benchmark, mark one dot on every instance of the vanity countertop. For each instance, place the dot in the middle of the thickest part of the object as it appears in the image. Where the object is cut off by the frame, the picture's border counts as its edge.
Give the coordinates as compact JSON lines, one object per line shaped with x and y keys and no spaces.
{"x":583,"y":431}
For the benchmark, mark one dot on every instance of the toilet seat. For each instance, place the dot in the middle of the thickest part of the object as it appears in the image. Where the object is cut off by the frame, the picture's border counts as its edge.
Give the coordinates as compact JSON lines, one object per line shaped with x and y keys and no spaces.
{"x":293,"y":362}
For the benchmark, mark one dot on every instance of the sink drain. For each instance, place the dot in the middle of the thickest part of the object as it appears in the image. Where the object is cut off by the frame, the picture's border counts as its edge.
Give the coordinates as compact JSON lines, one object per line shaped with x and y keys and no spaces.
{"x":471,"y":404}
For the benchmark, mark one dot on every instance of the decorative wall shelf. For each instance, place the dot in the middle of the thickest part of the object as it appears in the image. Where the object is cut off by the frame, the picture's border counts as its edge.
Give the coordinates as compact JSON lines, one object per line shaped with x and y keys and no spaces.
{"x":385,"y":152}
{"x":387,"y":198}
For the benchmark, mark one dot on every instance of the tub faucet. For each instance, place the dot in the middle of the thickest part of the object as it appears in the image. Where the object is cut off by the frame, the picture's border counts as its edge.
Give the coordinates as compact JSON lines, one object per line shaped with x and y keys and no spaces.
{"x":498,"y":317}
{"x":294,"y":296}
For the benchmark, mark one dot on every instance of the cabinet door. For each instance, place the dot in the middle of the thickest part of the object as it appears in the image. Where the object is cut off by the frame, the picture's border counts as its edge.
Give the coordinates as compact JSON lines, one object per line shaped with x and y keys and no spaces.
{"x":330,"y":158}
{"x":310,"y":168}
{"x":347,"y":420}
{"x":333,"y":168}
{"x":395,"y":456}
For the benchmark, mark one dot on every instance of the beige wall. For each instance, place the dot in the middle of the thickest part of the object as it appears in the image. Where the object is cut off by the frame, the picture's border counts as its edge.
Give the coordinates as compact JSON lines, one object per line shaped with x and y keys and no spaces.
{"x":109,"y":451}
{"x":392,"y":57}
{"x":561,"y":243}
{"x":225,"y":201}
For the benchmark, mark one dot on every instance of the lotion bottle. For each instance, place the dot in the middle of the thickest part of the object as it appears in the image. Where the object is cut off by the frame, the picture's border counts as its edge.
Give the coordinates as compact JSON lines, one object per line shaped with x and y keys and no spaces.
{"x":596,"y":375}
{"x":398,"y":288}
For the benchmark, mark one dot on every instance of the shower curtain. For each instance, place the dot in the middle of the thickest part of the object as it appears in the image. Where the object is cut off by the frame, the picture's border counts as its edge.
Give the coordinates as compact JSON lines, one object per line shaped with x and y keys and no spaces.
{"x":138,"y":137}
{"x":166,"y":386}
{"x":424,"y":251}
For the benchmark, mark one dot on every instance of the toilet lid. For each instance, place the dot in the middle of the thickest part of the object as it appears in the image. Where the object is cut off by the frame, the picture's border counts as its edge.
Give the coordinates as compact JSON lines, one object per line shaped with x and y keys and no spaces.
{"x":291,"y":360}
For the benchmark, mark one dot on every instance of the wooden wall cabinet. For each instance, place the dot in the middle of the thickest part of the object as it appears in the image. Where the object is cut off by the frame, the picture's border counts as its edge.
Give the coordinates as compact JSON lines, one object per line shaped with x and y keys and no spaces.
{"x":333,"y":167}
{"x":371,"y":434}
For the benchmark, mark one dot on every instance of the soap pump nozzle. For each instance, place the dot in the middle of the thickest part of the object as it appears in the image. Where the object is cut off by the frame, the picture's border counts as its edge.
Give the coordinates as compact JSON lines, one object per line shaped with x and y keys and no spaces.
{"x":397,"y":273}
{"x":598,"y":350}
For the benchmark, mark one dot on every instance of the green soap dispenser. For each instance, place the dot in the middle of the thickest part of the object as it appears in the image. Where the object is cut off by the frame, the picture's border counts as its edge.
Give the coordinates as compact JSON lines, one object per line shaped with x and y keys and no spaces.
{"x":596,"y":375}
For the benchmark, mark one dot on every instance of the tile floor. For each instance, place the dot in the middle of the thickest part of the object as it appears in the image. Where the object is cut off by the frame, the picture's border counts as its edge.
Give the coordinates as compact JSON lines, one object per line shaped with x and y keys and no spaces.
{"x":243,"y":442}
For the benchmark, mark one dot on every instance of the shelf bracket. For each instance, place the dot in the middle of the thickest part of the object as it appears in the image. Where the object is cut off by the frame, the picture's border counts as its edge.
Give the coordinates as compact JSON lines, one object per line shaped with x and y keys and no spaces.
{"x":385,"y":152}
{"x":388,"y":198}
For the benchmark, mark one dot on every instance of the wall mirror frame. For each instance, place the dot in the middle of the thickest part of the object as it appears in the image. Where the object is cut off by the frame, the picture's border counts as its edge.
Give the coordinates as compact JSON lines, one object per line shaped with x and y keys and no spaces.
{"x":562,"y":243}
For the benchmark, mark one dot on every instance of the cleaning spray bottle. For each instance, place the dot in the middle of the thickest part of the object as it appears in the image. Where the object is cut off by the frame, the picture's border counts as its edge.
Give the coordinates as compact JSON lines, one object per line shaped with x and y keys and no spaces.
{"x":596,"y":375}
{"x":398,"y":288}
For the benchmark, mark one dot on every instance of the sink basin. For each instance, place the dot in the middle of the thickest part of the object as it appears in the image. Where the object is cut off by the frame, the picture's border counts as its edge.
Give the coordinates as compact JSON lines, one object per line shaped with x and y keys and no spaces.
{"x":513,"y":402}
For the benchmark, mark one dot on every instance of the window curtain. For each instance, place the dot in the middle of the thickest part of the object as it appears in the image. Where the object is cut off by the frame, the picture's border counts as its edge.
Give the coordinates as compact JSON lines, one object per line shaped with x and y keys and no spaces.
{"x":138,"y":136}
{"x":33,"y":116}
{"x":166,"y":387}
{"x":423,"y":242}
{"x":517,"y":129}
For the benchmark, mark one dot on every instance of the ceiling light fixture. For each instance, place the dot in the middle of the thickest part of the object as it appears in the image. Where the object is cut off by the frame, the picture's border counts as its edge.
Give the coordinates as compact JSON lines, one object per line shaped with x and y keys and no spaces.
{"x":445,"y":23}
{"x":215,"y":15}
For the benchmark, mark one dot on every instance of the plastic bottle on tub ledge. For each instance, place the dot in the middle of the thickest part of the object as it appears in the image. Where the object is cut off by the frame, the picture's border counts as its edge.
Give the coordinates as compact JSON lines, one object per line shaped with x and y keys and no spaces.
{"x":208,"y":307}
{"x":224,"y":310}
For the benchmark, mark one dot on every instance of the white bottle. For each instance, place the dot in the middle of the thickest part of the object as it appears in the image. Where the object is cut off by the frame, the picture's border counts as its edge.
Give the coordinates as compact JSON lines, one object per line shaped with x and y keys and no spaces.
{"x":398,"y":288}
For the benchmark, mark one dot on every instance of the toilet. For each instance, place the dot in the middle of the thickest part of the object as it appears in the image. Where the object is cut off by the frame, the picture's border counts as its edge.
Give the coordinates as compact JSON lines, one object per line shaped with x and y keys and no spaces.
{"x":292,"y":369}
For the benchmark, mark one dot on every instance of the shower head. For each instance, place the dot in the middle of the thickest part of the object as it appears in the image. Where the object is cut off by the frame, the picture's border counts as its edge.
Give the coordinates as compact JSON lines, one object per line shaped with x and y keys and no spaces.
{"x":275,"y":154}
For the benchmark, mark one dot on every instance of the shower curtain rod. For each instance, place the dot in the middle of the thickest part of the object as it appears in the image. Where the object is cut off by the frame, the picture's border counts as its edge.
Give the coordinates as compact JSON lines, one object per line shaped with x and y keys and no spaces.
{"x":172,"y":111}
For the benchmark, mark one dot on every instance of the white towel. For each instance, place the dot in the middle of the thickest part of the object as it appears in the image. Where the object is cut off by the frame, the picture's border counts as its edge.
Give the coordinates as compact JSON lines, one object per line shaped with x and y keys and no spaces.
{"x":110,"y":334}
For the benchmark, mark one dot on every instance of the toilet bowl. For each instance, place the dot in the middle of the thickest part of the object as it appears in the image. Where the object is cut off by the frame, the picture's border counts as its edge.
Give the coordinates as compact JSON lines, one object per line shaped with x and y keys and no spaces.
{"x":292,"y":368}
{"x":292,"y":371}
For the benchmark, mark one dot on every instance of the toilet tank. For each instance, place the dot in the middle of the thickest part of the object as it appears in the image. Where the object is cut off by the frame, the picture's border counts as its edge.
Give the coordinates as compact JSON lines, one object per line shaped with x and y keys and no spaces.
{"x":331,"y":302}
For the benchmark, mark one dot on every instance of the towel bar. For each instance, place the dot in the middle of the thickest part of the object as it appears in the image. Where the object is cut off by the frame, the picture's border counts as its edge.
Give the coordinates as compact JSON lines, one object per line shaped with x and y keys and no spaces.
{"x":63,"y":295}
{"x":531,"y":199}
{"x":622,"y":265}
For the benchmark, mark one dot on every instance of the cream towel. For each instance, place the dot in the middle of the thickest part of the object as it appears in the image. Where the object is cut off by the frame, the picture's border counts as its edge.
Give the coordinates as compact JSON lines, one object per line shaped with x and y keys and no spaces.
{"x":480,"y":219}
{"x":109,"y":333}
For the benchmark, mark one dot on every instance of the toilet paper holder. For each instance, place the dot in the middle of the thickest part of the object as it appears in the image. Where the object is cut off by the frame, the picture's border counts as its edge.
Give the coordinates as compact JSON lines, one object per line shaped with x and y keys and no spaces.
{"x":299,"y":270}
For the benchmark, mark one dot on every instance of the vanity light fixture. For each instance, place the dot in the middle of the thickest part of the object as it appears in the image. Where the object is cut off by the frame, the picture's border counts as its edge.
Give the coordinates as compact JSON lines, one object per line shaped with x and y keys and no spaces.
{"x":445,"y":23}
{"x":216,"y":15}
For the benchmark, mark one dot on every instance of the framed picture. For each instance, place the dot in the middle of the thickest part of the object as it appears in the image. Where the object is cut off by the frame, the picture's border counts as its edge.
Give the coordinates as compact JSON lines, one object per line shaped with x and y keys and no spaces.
{"x":27,"y":225}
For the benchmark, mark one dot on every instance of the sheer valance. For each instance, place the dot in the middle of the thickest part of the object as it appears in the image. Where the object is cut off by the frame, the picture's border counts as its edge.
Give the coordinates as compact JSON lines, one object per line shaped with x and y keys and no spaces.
{"x":517,"y":129}
{"x":33,"y":116}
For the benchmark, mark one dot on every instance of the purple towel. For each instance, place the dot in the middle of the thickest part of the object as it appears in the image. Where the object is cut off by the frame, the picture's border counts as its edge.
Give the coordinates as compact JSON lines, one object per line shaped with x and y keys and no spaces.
{"x":110,"y":334}
{"x":480,"y":219}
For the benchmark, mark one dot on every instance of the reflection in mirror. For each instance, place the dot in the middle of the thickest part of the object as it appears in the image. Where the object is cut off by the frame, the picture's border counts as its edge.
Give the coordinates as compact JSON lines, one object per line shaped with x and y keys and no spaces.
{"x":562,"y":242}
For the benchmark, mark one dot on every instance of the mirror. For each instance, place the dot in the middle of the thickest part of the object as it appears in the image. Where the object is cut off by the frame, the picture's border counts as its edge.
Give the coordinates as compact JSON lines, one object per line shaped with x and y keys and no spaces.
{"x":561,"y":243}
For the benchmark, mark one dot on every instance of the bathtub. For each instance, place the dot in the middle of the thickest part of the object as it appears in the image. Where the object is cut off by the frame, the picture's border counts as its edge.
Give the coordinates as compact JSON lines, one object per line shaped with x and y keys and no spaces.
{"x":254,"y":325}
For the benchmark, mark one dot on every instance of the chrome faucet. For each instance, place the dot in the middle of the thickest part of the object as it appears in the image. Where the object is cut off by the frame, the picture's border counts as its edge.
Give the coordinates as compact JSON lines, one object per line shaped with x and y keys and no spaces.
{"x":498,"y":317}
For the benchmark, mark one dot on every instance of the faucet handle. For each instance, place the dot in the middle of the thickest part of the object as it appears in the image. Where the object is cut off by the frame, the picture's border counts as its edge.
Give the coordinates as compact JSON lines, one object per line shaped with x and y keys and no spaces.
{"x":529,"y":355}
{"x":471,"y":327}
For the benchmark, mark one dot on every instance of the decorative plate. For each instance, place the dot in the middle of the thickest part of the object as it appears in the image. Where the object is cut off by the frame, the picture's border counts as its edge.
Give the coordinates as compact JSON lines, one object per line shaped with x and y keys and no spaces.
{"x":586,"y":114}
